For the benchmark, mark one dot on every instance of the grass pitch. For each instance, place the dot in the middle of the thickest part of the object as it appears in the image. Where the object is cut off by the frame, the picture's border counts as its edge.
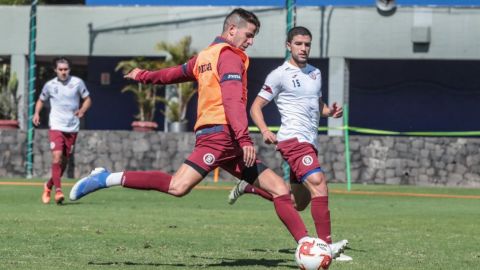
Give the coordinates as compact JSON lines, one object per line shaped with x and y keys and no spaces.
{"x":127,"y":229}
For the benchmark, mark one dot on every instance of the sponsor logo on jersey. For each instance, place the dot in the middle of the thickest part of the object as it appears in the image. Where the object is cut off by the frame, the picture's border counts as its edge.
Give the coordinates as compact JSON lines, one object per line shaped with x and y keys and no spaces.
{"x":267,"y":88}
{"x":209,"y":158}
{"x":52,"y":145}
{"x":307,"y":160}
{"x":204,"y":67}
{"x":312,"y":75}
{"x":231,"y":77}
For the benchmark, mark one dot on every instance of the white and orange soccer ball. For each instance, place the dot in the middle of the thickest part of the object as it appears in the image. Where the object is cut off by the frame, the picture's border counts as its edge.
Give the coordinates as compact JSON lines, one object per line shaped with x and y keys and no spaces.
{"x":313,"y":254}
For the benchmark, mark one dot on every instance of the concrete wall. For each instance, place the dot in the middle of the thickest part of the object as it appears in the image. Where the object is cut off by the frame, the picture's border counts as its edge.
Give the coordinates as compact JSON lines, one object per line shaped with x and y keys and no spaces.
{"x":344,"y":32}
{"x":381,"y":160}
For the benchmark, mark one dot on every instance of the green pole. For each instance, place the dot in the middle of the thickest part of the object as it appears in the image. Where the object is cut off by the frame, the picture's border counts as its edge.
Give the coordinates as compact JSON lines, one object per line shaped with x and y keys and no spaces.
{"x":347,"y":147}
{"x":31,"y":87}
{"x":291,"y":19}
{"x":291,"y":22}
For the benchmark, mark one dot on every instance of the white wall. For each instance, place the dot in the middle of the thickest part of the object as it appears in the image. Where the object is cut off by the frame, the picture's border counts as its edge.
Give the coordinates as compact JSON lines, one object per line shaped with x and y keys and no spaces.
{"x":346,"y":32}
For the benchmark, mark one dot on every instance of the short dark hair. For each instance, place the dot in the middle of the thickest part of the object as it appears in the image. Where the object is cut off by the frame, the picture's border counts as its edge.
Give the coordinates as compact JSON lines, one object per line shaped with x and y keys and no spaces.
{"x":245,"y":15}
{"x":61,"y":59}
{"x":298,"y":30}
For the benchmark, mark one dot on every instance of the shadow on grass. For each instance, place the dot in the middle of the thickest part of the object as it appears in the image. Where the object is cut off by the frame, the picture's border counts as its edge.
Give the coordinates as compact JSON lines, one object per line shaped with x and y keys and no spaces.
{"x":224,"y":262}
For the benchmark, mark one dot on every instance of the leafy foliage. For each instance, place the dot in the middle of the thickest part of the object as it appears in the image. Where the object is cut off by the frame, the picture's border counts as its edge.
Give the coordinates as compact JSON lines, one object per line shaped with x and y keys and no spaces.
{"x":147,"y":96}
{"x":8,"y":94}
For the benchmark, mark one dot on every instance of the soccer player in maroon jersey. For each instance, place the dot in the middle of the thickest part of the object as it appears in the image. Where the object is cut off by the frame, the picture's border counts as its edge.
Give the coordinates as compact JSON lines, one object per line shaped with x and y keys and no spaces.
{"x":221,"y":129}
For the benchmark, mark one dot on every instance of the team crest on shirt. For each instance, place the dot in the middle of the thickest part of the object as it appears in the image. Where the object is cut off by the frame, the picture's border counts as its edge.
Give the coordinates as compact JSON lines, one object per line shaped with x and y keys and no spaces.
{"x":267,"y":88}
{"x":55,"y":90}
{"x":312,"y":75}
{"x":70,"y":86}
{"x":52,"y":145}
{"x":307,"y":160}
{"x":209,"y":158}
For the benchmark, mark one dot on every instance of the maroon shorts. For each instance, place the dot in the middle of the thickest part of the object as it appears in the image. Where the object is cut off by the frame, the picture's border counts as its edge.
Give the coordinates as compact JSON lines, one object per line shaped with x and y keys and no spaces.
{"x":302,"y":158}
{"x":215,"y":146}
{"x":62,"y":141}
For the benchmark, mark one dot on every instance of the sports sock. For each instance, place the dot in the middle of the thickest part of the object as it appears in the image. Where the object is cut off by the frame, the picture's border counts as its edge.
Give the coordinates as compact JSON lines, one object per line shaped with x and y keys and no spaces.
{"x":114,"y":179}
{"x":56,"y":175}
{"x":290,"y":217}
{"x":321,"y":218}
{"x":49,"y":183}
{"x":148,"y":180}
{"x":258,"y":191}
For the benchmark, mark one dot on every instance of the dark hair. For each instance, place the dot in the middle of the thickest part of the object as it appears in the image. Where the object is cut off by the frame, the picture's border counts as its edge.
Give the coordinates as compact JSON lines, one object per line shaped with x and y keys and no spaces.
{"x":241,"y":15}
{"x":298,"y":30}
{"x":60,"y":59}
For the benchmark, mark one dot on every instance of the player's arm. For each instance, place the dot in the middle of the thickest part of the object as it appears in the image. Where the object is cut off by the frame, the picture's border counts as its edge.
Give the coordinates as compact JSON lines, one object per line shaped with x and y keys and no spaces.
{"x":230,"y":69}
{"x":177,"y":74}
{"x":36,"y":114}
{"x":334,"y":111}
{"x":257,"y":117}
{"x":86,"y":104}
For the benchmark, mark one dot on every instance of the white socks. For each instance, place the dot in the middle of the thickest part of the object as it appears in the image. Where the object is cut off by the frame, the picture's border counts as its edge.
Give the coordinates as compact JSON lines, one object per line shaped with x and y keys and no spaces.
{"x":114,"y":179}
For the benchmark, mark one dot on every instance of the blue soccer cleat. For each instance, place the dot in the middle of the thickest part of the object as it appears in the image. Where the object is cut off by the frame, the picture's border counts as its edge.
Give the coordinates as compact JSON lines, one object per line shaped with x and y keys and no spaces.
{"x":93,"y":182}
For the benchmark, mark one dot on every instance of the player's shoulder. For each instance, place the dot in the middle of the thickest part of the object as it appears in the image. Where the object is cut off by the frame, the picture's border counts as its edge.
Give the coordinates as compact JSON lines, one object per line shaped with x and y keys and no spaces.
{"x":280,"y":70}
{"x":75,"y":80}
{"x":51,"y":82}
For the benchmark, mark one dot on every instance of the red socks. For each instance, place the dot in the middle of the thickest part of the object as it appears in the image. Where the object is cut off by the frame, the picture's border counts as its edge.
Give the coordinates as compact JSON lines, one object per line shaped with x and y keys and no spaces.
{"x":56,"y":176}
{"x":147,"y":180}
{"x":321,"y":218}
{"x":289,"y":216}
{"x":260,"y":192}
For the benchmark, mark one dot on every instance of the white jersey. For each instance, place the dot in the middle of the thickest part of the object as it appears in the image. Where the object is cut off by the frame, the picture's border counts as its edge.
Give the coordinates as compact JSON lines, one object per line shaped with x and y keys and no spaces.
{"x":296,"y":92}
{"x":64,"y":102}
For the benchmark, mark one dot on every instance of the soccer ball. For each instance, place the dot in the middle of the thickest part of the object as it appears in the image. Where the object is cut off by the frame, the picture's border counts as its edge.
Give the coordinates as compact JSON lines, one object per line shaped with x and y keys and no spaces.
{"x":313,"y":254}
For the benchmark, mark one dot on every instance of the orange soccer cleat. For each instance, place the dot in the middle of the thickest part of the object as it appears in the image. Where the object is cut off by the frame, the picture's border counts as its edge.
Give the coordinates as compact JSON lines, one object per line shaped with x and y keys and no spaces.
{"x":46,"y":194}
{"x":59,"y":197}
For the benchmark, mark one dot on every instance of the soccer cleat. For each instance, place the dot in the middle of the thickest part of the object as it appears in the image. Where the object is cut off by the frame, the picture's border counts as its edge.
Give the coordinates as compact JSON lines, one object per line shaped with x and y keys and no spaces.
{"x":59,"y":197}
{"x":338,"y":248}
{"x":94,"y":181}
{"x":343,"y":258}
{"x":237,"y":191}
{"x":46,"y":194}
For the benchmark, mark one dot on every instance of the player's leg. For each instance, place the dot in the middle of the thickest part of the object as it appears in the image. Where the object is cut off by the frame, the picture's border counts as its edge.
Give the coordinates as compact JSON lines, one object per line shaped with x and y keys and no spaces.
{"x":201,"y":161}
{"x":242,"y":187}
{"x":317,"y":185}
{"x":259,"y":175}
{"x":57,"y":145}
{"x":300,"y":196}
{"x":274,"y":184}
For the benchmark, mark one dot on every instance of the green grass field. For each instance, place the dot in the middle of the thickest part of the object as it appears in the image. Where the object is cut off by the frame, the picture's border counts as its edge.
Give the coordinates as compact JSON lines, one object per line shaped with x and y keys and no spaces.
{"x":127,"y":229}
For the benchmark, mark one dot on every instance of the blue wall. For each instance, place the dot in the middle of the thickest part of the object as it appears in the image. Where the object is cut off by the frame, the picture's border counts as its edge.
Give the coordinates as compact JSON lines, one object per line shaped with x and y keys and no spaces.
{"x":415,"y":95}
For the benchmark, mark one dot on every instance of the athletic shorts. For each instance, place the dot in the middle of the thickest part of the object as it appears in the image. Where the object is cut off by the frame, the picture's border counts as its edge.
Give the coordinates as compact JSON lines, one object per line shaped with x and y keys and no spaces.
{"x":302,"y":158}
{"x":215,"y":146}
{"x":62,"y":141}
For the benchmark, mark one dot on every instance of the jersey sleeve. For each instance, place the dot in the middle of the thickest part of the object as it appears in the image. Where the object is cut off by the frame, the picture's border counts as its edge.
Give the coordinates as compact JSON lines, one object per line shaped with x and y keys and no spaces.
{"x":45,"y":94}
{"x":271,"y":87}
{"x":82,"y":88}
{"x":176,"y":74}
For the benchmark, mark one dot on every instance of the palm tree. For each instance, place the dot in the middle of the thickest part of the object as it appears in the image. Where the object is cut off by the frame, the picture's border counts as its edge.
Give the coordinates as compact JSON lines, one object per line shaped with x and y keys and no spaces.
{"x":147,"y":96}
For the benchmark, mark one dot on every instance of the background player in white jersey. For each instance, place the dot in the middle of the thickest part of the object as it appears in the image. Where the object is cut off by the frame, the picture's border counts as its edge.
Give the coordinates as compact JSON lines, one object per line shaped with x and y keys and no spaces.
{"x":65,"y":93}
{"x":296,"y":88}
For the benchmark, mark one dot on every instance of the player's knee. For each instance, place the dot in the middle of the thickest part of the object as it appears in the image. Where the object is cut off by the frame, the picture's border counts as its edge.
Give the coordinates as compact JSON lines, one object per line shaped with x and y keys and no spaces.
{"x":179,"y":189}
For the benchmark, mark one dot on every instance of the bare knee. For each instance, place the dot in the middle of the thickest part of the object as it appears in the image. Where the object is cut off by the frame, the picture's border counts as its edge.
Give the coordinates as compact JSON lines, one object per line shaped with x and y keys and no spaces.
{"x":272,"y":183}
{"x":178,"y":188}
{"x":317,"y":184}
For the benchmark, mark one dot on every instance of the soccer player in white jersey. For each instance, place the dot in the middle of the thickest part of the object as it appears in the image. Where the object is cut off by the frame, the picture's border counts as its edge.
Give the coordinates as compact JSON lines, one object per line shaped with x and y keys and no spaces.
{"x":65,"y":93}
{"x":295,"y":87}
